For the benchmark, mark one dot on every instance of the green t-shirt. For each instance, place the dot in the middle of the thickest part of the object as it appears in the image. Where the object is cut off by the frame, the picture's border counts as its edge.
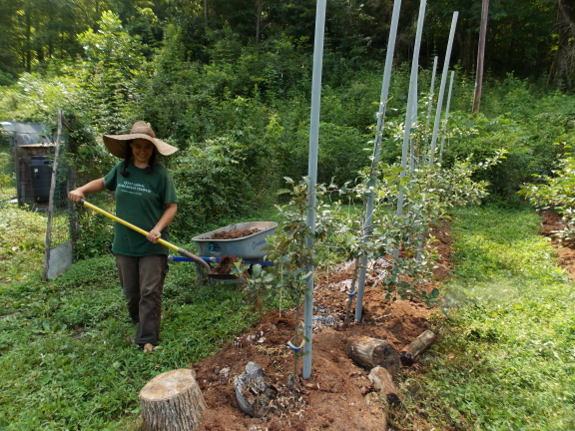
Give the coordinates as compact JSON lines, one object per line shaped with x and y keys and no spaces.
{"x":141,"y":200}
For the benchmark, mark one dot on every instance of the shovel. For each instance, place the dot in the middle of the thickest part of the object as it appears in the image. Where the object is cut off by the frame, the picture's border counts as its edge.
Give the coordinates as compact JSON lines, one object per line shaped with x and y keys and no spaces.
{"x":183,"y":252}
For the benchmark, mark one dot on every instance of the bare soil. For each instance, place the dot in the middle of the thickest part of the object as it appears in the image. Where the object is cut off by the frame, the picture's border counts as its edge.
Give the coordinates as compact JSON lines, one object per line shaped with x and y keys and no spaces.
{"x":225,"y":264}
{"x":338,"y":395}
{"x":550,"y":223}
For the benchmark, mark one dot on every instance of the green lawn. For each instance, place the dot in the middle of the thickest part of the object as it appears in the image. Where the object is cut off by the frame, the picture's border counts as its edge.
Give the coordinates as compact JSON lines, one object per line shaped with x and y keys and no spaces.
{"x":67,"y":356}
{"x":505,"y":359}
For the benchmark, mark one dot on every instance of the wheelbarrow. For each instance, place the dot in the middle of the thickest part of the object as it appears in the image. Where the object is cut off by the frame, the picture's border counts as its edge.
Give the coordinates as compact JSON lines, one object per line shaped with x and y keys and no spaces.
{"x":246,"y":241}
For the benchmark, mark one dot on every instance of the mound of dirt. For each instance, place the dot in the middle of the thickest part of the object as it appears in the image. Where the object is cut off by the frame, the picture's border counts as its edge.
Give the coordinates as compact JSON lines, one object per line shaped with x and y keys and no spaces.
{"x":551,"y":222}
{"x":337,"y":395}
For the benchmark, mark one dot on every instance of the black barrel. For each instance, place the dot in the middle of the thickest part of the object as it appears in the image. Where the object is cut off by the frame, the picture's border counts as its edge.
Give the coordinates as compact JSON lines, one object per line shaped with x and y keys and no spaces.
{"x":41,"y":167}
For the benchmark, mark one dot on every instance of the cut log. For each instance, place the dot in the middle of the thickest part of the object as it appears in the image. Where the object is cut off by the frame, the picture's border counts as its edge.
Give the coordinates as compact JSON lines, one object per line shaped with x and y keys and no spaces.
{"x":412,"y":351}
{"x":172,"y":401}
{"x":372,"y":352}
{"x":382,"y":380}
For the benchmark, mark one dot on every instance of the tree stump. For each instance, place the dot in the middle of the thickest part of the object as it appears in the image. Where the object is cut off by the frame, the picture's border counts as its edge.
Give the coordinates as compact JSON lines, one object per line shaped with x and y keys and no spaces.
{"x":172,"y":401}
{"x":372,"y":352}
{"x":411,"y":352}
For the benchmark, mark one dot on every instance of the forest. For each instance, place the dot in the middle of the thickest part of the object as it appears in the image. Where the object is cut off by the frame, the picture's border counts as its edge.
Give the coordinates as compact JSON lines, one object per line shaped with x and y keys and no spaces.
{"x":229,"y":83}
{"x":218,"y":78}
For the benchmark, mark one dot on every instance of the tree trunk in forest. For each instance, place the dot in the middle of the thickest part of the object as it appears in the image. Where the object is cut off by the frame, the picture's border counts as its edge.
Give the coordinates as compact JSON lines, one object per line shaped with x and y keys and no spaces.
{"x":564,"y":62}
{"x":205,"y":13}
{"x":172,"y":401}
{"x":28,"y":56}
{"x":480,"y":57}
{"x":258,"y":20}
{"x":466,"y":54}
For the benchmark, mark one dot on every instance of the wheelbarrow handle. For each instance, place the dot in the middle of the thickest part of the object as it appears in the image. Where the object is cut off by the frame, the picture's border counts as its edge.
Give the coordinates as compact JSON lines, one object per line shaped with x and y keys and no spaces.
{"x":143,"y":232}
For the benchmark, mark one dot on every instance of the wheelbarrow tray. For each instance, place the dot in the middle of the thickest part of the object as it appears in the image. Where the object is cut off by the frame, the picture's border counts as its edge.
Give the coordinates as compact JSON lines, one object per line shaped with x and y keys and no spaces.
{"x":252,"y":246}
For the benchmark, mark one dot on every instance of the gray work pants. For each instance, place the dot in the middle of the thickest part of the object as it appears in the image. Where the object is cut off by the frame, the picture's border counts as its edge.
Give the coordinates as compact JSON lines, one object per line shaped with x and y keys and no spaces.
{"x":142,"y":280}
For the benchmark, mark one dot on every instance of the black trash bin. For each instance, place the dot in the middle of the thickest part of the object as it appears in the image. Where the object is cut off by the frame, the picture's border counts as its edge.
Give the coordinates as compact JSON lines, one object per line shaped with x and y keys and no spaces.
{"x":41,"y":168}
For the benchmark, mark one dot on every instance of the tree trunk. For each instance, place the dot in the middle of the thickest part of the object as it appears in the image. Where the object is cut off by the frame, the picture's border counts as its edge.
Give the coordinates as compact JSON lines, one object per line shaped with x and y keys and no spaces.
{"x":562,"y":67}
{"x":258,"y":20}
{"x":411,"y":352}
{"x":371,"y":352}
{"x":172,"y":401}
{"x":480,"y":57}
{"x":28,"y":56}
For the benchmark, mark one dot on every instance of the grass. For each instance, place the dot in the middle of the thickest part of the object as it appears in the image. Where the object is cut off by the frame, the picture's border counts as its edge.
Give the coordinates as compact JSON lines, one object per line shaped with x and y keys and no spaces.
{"x":23,"y":239}
{"x":67,"y":356}
{"x":505,"y":359}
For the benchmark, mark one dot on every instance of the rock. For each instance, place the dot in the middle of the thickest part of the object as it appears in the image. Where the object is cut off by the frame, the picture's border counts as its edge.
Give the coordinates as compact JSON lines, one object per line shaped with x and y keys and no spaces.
{"x":252,"y":392}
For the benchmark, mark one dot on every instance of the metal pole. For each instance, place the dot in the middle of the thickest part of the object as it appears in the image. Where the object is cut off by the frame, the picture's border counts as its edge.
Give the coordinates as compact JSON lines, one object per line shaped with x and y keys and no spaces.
{"x":377,"y":150}
{"x":442,"y":87}
{"x":446,"y":116}
{"x":411,"y":100}
{"x":413,"y":116}
{"x":312,"y":169}
{"x":431,"y":91}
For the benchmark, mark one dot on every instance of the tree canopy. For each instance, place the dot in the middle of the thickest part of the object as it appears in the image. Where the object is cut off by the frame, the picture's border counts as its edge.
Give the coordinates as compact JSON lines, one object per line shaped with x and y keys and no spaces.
{"x":530,"y":38}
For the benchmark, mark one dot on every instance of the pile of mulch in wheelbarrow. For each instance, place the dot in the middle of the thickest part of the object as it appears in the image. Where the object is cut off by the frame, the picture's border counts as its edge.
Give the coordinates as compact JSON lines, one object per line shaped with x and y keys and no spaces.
{"x":235,"y":233}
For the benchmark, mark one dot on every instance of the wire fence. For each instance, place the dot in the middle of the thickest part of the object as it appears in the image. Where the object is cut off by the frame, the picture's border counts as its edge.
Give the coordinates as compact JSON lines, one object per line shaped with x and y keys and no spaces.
{"x":7,"y":170}
{"x":29,"y":182}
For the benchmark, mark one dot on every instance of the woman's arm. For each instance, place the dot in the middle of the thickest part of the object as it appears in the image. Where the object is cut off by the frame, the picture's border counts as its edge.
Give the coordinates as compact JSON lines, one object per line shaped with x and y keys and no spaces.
{"x":92,"y":187}
{"x":165,"y":220}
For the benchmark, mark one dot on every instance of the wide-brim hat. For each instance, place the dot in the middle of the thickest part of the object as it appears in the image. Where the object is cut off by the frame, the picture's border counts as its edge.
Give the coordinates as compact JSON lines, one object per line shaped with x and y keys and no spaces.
{"x":117,"y":144}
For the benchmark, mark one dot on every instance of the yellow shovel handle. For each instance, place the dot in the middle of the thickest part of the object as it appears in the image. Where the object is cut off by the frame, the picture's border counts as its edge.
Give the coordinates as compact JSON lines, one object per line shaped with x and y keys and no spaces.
{"x":189,"y":255}
{"x":127,"y":224}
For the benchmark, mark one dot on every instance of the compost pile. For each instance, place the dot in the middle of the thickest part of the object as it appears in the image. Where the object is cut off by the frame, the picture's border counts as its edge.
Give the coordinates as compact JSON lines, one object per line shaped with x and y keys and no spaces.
{"x":336,"y":396}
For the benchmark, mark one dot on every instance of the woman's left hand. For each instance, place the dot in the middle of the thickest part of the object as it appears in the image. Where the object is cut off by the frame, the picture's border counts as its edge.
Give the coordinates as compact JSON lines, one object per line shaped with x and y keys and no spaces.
{"x":154,"y":236}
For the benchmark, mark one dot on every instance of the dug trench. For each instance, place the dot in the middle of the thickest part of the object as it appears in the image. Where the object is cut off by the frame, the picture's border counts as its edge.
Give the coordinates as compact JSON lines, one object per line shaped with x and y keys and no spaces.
{"x":338,"y":395}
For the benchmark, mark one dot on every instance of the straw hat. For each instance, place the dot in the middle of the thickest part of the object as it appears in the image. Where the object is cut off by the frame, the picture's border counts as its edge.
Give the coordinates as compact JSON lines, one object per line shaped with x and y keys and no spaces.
{"x":116,"y":144}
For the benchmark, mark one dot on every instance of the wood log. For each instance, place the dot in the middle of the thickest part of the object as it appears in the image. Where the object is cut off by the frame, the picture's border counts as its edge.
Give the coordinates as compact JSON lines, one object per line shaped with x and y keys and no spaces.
{"x":372,"y":352}
{"x":412,"y":351}
{"x":172,"y":401}
{"x":382,"y":380}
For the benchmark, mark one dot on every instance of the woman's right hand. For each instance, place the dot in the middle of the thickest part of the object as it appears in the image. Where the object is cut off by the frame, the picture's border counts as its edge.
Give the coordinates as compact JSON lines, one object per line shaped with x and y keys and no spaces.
{"x":95,"y":186}
{"x":75,"y":196}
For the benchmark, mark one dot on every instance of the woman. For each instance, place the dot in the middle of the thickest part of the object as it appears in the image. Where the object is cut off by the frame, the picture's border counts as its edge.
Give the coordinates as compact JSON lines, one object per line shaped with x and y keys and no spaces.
{"x":145,"y":197}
